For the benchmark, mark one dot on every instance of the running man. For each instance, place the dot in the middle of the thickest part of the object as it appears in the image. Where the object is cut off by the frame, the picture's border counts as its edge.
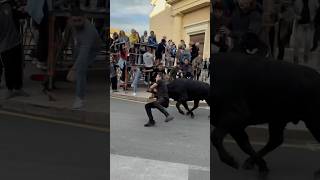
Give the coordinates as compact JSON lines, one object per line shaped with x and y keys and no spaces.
{"x":162,"y":102}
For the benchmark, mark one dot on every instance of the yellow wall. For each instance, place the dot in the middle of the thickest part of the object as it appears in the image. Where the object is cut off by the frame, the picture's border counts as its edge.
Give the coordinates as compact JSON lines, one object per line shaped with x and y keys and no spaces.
{"x":161,"y":24}
{"x":165,"y":21}
{"x":197,"y":16}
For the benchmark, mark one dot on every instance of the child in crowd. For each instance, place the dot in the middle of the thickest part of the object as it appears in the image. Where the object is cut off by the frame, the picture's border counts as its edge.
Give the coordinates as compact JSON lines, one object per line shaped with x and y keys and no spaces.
{"x":137,"y":74}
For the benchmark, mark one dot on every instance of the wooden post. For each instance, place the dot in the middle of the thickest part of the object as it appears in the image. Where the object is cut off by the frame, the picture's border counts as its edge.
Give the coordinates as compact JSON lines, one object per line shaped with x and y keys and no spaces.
{"x":51,"y":51}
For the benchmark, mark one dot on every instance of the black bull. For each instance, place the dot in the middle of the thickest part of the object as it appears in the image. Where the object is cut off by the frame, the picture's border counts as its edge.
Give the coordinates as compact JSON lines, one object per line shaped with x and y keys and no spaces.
{"x":248,"y":90}
{"x":183,"y":90}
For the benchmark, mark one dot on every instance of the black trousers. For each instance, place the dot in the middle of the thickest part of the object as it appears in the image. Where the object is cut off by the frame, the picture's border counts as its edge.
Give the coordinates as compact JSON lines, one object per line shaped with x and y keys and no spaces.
{"x":146,"y":77}
{"x":12,"y":61}
{"x":316,"y":36}
{"x":114,"y":82}
{"x":159,"y":104}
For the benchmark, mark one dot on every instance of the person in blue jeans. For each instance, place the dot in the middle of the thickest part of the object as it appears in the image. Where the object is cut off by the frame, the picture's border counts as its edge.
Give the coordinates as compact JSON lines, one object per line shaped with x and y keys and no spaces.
{"x":87,"y":45}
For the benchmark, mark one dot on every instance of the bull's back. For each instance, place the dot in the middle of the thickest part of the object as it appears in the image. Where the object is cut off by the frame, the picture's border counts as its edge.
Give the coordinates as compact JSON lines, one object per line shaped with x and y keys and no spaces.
{"x":193,"y":89}
{"x":267,"y":86}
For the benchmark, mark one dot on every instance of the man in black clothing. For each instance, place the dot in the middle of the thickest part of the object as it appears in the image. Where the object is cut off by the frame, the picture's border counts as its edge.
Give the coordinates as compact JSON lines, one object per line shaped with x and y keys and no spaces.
{"x":194,"y":51}
{"x":161,"y":49}
{"x":162,"y":102}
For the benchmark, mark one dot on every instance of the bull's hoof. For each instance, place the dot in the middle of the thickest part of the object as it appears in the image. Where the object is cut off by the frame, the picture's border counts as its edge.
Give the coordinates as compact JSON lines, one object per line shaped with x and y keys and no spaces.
{"x":188,"y":113}
{"x":231,"y":162}
{"x":263,"y":173}
{"x":192,"y":115}
{"x":181,"y":112}
{"x":248,"y":164}
{"x":263,"y":170}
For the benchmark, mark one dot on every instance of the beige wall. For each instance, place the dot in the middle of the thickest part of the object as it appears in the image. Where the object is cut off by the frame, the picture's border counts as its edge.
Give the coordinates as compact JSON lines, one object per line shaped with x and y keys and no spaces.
{"x":193,"y":18}
{"x":166,"y":22}
{"x":197,"y":16}
{"x":161,"y":24}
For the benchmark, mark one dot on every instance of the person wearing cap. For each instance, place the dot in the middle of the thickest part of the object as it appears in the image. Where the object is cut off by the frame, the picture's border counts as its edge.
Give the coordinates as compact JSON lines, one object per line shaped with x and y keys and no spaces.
{"x":87,"y":46}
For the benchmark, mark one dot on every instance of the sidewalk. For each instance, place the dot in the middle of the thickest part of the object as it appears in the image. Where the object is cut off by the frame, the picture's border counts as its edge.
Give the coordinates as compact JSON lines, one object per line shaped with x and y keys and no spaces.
{"x":94,"y":113}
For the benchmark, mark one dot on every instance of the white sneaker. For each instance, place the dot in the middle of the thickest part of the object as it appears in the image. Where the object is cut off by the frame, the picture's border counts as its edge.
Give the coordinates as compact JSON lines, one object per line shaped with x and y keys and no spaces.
{"x":78,"y":104}
{"x":134,"y":94}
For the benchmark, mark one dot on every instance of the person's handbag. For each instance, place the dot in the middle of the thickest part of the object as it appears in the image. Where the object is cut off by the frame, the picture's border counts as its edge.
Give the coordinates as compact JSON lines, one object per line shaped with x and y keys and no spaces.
{"x":71,"y":76}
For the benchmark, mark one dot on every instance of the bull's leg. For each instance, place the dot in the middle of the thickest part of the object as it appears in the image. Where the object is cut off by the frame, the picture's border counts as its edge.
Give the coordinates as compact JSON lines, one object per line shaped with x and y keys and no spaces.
{"x":195,"y":106}
{"x":185,"y":105}
{"x":275,"y":140}
{"x":178,"y":107}
{"x":217,"y":137}
{"x":242,"y":139}
{"x":314,"y":128}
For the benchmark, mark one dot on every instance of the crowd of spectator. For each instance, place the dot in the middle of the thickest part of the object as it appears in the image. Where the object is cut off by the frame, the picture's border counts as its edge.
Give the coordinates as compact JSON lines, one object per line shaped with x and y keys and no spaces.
{"x":255,"y":28}
{"x":137,"y":56}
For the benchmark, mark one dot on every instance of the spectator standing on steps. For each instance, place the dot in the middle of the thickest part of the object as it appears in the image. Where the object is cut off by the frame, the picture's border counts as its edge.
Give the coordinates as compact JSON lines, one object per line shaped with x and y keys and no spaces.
{"x":113,"y":75}
{"x":87,"y":46}
{"x":11,"y":51}
{"x":305,"y":11}
{"x":148,"y":61}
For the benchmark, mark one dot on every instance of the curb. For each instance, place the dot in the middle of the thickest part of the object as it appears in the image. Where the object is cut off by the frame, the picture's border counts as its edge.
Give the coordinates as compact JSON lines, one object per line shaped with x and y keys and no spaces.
{"x":146,"y":99}
{"x":98,"y":119}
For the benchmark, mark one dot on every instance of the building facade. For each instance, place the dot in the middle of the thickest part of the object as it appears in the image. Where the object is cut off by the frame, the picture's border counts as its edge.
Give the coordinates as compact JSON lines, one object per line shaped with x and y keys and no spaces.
{"x":187,"y":20}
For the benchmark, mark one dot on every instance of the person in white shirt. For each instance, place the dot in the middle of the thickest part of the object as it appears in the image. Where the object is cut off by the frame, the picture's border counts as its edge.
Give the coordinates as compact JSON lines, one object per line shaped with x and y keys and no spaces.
{"x":148,"y":61}
{"x":144,"y":37}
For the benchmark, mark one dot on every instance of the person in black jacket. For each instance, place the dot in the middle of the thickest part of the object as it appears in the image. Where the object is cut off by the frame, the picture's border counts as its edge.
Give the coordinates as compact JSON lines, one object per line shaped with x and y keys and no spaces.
{"x":161,"y":49}
{"x":162,"y":102}
{"x":11,"y":51}
{"x":194,"y":51}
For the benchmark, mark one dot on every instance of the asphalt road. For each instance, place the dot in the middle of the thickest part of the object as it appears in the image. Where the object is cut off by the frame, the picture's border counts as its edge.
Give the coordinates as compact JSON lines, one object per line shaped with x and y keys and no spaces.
{"x":38,"y":150}
{"x":292,"y":163}
{"x":182,"y":144}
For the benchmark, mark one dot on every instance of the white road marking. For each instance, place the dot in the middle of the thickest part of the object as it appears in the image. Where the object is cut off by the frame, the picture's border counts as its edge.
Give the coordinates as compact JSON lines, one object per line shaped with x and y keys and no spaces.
{"x":135,"y":168}
{"x":54,"y":121}
{"x":129,"y":100}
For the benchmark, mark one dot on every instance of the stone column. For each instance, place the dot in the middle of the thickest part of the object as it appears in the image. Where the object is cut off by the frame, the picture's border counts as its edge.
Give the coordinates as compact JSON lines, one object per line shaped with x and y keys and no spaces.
{"x":206,"y":47}
{"x":177,"y":28}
